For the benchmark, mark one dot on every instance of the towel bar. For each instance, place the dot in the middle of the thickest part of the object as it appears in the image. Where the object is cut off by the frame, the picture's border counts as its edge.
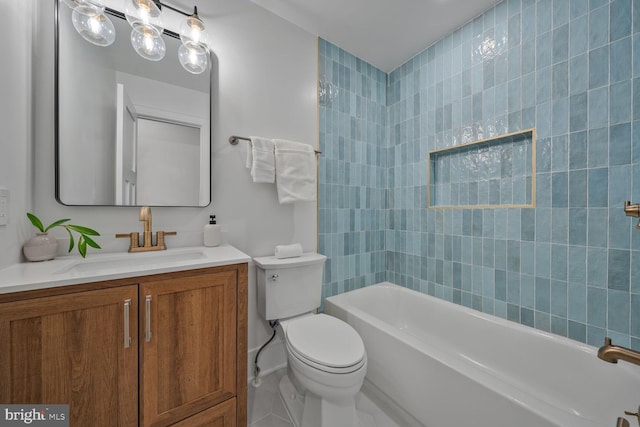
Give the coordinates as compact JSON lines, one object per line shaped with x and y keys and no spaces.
{"x":233,"y":140}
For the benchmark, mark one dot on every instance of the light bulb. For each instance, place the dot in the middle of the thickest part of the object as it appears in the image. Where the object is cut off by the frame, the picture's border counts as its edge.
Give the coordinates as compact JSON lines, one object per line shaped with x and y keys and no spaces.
{"x":192,"y":29}
{"x":147,"y":42}
{"x":93,"y":25}
{"x":193,"y":57}
{"x":145,"y":11}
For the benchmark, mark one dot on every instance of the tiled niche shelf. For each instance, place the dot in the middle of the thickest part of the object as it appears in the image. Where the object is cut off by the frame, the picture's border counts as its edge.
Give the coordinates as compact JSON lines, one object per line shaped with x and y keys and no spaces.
{"x":498,"y":172}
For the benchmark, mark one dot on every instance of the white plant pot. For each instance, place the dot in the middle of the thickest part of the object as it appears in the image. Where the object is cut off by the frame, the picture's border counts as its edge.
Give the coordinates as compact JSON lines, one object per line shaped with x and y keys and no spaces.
{"x":41,"y":247}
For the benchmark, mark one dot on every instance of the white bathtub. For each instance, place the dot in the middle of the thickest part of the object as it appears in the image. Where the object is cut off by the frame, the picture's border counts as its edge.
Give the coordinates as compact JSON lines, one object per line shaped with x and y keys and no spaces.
{"x":447,"y":365}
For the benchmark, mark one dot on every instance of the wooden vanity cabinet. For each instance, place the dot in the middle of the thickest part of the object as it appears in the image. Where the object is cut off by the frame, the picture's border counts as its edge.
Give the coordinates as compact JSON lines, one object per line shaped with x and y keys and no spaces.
{"x":188,"y":345}
{"x":70,"y":349}
{"x":183,"y":365}
{"x":221,"y":415}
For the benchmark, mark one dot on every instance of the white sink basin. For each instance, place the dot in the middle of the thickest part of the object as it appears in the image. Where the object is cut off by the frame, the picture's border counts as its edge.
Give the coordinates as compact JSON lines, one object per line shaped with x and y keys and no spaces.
{"x":72,"y":270}
{"x":133,"y":260}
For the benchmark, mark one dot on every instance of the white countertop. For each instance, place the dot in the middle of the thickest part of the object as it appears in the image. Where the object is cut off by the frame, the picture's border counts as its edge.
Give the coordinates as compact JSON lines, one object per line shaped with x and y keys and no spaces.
{"x":72,"y":270}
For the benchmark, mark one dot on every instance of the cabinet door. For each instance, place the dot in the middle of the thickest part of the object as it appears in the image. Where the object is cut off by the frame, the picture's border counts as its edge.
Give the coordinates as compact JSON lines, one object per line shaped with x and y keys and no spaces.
{"x":73,"y":349}
{"x":188,"y":345}
{"x":221,"y":415}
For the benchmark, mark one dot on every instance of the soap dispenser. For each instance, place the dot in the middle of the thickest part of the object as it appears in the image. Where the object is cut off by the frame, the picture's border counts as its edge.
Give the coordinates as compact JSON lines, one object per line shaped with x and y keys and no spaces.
{"x":212,"y":233}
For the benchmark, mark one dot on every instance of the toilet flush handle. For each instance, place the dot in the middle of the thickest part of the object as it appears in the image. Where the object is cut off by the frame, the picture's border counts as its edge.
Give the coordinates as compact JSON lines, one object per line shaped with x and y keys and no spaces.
{"x":274,"y":277}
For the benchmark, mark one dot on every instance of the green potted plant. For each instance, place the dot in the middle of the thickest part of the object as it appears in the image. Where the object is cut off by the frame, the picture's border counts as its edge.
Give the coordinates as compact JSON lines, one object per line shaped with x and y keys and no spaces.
{"x":43,"y":246}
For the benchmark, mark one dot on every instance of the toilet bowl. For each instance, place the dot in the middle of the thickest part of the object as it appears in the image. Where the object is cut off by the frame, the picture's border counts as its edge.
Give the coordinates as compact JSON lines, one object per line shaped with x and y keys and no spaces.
{"x":326,"y":364}
{"x":326,"y":358}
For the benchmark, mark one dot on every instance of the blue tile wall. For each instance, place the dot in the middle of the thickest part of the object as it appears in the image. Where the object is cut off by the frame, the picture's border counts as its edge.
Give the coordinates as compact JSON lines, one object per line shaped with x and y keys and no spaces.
{"x":352,"y":180}
{"x":571,"y":70}
{"x":497,"y":172}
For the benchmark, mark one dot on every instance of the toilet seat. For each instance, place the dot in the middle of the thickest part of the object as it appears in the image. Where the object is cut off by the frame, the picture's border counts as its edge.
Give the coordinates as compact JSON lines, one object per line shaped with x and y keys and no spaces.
{"x":325,"y":343}
{"x":324,"y":368}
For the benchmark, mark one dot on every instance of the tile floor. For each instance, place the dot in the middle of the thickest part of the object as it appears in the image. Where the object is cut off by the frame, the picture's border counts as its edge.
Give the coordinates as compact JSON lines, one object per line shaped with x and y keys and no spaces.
{"x":266,"y":409}
{"x":265,"y":405}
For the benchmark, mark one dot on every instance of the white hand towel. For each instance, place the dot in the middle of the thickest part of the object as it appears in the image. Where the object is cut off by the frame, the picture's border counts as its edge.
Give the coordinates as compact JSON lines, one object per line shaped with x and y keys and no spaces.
{"x":295,"y":171}
{"x":263,"y":161}
{"x":288,"y":251}
{"x":249,"y":162}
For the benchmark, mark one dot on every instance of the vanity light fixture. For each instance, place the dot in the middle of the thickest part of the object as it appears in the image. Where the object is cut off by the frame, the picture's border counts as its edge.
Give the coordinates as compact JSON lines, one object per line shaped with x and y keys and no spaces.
{"x":90,"y":21}
{"x":192,"y":54}
{"x":144,"y":16}
{"x":146,"y":28}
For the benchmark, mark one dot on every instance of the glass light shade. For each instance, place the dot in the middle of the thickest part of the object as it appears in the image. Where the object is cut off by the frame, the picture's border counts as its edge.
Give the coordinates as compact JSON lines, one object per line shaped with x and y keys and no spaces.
{"x":147,"y":42}
{"x":193,"y":57}
{"x":192,"y":30}
{"x":74,"y":3}
{"x":93,"y":25}
{"x":144,"y":11}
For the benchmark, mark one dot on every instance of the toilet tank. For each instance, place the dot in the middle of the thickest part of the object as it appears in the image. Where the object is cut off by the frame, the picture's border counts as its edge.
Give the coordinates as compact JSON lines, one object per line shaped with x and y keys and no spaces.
{"x":290,"y":286}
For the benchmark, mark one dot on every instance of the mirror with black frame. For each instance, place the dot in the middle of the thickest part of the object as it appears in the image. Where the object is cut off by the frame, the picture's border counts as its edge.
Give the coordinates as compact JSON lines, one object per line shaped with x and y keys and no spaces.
{"x":129,"y":132}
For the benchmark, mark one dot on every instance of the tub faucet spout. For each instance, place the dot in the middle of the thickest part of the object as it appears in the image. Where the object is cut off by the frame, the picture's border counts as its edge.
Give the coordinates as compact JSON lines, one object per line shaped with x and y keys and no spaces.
{"x":612,"y":353}
{"x":634,"y":414}
{"x":622,"y":422}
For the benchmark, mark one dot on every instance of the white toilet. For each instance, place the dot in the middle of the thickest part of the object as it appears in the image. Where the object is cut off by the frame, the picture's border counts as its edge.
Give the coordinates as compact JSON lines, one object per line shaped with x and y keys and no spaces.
{"x":327,"y":361}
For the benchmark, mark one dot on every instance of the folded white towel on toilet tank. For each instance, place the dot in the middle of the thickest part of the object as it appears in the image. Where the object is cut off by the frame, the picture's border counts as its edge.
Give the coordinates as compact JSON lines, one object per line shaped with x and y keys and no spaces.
{"x":296,"y":171}
{"x":288,"y":251}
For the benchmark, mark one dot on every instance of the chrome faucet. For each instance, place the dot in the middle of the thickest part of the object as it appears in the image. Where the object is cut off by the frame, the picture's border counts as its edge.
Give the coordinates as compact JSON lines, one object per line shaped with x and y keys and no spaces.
{"x":612,"y":353}
{"x":147,"y":235}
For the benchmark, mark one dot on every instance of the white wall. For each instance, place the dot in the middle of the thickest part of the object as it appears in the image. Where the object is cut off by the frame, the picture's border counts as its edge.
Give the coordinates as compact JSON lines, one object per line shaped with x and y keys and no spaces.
{"x":267,"y":85}
{"x":265,"y":74}
{"x":15,"y":124}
